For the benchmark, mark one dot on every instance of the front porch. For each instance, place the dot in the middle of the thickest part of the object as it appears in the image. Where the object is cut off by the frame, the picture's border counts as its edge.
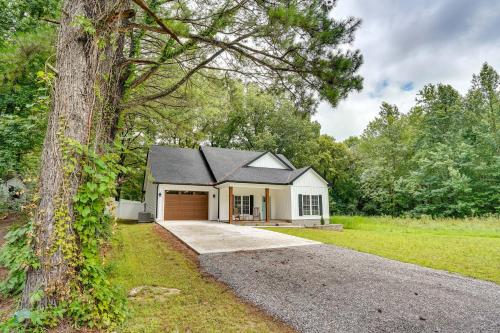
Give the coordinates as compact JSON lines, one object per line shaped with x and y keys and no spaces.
{"x":255,"y":204}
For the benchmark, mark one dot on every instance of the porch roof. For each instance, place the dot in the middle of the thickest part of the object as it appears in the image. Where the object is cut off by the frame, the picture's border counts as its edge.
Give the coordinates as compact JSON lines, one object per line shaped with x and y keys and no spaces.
{"x":264,"y":176}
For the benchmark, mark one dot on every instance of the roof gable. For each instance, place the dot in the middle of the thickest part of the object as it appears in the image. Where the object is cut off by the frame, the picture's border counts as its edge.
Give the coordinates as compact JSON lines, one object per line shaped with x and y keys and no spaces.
{"x":309,"y":177}
{"x":268,"y":160}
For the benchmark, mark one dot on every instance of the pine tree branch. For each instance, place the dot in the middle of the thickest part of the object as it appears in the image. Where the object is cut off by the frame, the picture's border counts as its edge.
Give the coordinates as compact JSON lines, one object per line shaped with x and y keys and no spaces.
{"x":176,"y":86}
{"x":153,"y":15}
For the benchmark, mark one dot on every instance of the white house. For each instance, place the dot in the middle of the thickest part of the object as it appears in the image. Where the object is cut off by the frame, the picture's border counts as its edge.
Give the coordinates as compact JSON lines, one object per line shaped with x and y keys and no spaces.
{"x":209,"y":183}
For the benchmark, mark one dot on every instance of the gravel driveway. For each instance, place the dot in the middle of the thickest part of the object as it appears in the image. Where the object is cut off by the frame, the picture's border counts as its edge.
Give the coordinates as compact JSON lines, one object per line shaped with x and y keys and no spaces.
{"x":323,"y":288}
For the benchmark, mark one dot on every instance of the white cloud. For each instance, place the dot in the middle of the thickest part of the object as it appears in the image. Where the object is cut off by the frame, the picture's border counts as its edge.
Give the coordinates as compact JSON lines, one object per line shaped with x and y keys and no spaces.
{"x":417,"y":42}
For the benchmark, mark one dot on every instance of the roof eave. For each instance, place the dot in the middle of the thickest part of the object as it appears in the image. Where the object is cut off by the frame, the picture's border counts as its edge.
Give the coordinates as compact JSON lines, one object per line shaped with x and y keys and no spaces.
{"x":184,"y":183}
{"x":249,"y":182}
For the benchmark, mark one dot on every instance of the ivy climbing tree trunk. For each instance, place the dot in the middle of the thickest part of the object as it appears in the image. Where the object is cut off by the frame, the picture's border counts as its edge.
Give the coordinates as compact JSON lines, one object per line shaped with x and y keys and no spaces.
{"x":87,"y":48}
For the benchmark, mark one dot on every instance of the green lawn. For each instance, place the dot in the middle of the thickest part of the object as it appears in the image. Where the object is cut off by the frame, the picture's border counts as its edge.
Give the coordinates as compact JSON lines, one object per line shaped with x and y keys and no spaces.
{"x":470,"y":247}
{"x":141,"y":256}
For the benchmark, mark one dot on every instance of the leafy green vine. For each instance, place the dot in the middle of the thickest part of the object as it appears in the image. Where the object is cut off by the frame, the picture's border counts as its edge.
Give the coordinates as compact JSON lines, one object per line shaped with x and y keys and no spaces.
{"x":92,"y":301}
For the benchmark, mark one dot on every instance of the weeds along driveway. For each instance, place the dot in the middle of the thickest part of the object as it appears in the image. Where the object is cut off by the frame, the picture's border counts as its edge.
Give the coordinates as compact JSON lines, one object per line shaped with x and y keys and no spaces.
{"x":323,"y":288}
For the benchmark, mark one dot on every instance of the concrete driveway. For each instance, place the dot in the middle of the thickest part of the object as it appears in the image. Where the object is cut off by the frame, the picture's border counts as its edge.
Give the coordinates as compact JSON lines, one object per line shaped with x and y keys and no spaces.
{"x":322,"y":288}
{"x":212,"y":237}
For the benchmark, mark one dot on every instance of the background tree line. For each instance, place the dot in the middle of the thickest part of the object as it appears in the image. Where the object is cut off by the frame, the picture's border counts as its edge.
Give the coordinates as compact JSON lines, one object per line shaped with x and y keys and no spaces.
{"x":439,"y":159}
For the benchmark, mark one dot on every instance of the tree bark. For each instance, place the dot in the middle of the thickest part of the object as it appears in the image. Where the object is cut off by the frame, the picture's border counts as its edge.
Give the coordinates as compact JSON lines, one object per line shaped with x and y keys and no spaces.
{"x":78,"y":112}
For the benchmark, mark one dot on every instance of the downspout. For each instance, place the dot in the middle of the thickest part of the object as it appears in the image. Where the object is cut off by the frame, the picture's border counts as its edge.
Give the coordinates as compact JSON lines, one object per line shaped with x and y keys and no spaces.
{"x":218,"y":204}
{"x":157,"y":186}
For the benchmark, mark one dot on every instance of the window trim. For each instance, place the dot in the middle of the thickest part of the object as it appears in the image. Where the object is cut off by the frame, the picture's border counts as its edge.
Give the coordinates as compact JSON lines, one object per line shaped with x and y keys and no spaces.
{"x":307,"y":208}
{"x":241,"y":204}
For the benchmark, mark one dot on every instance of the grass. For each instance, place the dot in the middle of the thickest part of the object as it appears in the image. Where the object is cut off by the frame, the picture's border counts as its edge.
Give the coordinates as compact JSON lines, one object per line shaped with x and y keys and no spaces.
{"x":469,"y":247}
{"x":143,"y":254}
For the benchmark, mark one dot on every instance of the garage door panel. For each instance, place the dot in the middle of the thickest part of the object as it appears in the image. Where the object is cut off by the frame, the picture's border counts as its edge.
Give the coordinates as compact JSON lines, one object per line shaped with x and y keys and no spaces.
{"x":186,"y":207}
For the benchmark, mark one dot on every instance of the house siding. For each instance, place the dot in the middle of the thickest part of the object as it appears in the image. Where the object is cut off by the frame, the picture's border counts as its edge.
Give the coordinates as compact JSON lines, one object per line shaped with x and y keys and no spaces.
{"x":310,"y":184}
{"x":281,"y":204}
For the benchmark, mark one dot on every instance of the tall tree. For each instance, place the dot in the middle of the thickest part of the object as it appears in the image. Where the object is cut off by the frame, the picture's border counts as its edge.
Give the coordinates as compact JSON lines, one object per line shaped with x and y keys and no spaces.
{"x":85,"y":70}
{"x":481,"y":119}
{"x":440,"y":159}
{"x":438,"y":181}
{"x":385,"y":154}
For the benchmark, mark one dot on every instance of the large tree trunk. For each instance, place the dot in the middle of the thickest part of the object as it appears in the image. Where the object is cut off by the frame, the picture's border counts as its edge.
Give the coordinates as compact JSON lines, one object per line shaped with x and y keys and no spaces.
{"x":77,"y":111}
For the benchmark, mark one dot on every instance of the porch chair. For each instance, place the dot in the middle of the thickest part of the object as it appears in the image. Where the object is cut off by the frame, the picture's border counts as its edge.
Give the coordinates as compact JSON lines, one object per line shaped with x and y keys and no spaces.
{"x":236,"y":214}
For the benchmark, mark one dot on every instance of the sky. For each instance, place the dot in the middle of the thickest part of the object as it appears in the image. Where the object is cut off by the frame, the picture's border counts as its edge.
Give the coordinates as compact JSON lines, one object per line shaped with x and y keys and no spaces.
{"x":408,"y":44}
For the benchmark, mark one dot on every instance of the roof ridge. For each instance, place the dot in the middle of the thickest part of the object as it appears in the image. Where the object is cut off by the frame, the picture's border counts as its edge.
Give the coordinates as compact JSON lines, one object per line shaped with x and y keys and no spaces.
{"x":235,"y":149}
{"x":172,"y":147}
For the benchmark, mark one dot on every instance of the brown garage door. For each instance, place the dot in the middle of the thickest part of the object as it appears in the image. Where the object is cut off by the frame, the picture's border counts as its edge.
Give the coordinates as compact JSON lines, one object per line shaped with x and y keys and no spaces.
{"x":186,"y":206}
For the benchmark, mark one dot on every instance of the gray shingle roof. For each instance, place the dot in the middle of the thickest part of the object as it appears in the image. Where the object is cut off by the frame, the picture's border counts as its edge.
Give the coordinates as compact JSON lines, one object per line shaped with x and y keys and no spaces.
{"x":178,"y":166}
{"x":265,"y":175}
{"x":211,"y":165}
{"x":223,"y":162}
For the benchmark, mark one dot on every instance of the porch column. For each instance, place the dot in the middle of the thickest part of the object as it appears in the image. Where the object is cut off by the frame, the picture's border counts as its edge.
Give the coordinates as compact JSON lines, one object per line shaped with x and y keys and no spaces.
{"x":268,"y":206}
{"x":231,"y":204}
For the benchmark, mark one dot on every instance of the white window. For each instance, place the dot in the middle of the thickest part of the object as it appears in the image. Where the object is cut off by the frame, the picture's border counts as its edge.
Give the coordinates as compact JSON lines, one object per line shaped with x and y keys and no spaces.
{"x":315,"y":204}
{"x":242,"y":204}
{"x":306,"y":204}
{"x":311,"y":204}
